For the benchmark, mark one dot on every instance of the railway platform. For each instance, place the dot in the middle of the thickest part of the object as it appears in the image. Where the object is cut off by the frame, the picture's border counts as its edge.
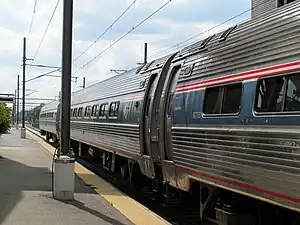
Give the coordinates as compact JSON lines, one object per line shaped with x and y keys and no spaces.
{"x":26,"y":190}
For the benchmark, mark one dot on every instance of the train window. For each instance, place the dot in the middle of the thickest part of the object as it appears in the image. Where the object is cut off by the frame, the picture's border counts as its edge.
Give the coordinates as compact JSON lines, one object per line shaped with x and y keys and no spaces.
{"x":114,"y":109}
{"x":80,"y":112}
{"x":223,"y":99}
{"x":94,"y":110}
{"x":280,"y":3}
{"x":212,"y":101}
{"x":269,"y":95}
{"x":75,"y":112}
{"x":292,"y":100}
{"x":283,"y":2}
{"x":232,"y":98}
{"x":87,"y":111}
{"x":102,"y":111}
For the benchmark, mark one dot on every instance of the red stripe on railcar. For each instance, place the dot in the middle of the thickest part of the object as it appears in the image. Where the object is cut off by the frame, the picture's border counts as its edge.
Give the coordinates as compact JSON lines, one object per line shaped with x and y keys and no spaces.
{"x":242,"y":185}
{"x":254,"y":74}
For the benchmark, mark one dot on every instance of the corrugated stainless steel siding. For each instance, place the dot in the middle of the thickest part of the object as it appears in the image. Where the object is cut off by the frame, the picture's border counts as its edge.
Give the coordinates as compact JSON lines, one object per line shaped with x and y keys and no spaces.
{"x":266,"y":158}
{"x":158,"y":63}
{"x":267,"y":41}
{"x":118,"y":85}
{"x":262,"y":6}
{"x":125,"y":83}
{"x":52,"y":106}
{"x":117,"y":136}
{"x":47,"y":125}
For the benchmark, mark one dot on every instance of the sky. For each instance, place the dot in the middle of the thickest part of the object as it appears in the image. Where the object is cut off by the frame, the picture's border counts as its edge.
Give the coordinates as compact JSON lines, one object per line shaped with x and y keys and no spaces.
{"x":176,"y":22}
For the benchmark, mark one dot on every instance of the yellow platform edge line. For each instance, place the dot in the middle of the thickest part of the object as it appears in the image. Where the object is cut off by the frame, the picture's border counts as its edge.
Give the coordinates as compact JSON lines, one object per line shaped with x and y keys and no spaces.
{"x":133,"y":210}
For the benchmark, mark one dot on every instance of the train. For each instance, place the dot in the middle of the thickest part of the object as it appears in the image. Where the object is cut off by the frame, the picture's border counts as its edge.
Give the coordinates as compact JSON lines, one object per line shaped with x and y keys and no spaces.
{"x":219,"y":118}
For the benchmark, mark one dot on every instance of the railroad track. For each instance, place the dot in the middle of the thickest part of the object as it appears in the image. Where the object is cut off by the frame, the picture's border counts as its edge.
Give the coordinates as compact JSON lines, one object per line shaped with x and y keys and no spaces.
{"x":177,"y":208}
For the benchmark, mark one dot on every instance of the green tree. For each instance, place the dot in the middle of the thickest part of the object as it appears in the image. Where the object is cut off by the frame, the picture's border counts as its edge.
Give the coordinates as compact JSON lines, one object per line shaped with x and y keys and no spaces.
{"x":5,"y":118}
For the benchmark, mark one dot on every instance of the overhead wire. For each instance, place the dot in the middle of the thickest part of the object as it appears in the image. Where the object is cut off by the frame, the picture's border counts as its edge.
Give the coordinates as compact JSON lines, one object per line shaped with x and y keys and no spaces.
{"x":123,"y":36}
{"x":170,"y":49}
{"x":32,"y":19}
{"x":40,"y":44}
{"x":44,"y":74}
{"x":107,"y":29}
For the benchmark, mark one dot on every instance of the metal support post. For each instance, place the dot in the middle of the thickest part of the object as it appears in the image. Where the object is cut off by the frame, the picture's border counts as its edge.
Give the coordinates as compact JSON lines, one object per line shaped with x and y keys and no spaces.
{"x":23,"y":130}
{"x":145,"y":53}
{"x":63,"y":187}
{"x":18,"y":102}
{"x":15,"y":109}
{"x":66,"y":76}
{"x":83,"y":85}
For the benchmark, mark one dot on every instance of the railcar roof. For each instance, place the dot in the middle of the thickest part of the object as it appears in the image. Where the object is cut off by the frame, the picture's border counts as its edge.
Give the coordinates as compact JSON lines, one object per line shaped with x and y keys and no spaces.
{"x":124,"y":83}
{"x":50,"y":106}
{"x":261,"y":42}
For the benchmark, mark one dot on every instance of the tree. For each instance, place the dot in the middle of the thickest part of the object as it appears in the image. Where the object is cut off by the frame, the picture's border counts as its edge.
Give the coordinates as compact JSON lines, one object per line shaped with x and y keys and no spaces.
{"x":32,"y":116}
{"x":5,"y":118}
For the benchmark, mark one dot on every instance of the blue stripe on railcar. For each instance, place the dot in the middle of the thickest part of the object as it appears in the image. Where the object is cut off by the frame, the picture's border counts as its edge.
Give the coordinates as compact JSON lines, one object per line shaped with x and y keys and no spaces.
{"x":187,"y":110}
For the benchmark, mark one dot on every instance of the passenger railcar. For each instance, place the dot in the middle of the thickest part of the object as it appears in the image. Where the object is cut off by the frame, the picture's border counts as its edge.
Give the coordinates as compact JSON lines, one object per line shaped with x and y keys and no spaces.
{"x":236,"y":110}
{"x":220,"y":117}
{"x":47,"y":120}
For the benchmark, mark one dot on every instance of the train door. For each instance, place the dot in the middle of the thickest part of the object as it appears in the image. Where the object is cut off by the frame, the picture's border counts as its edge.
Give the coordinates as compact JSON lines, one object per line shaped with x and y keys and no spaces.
{"x":171,"y":105}
{"x":150,"y":121}
{"x":147,"y":113}
{"x":58,"y":122}
{"x":145,"y":131}
{"x":167,"y":122}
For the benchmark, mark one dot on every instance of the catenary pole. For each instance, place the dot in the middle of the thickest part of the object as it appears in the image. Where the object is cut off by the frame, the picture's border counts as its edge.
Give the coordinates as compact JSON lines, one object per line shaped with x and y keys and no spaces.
{"x":24,"y":68}
{"x":66,"y":76}
{"x":23,"y":130}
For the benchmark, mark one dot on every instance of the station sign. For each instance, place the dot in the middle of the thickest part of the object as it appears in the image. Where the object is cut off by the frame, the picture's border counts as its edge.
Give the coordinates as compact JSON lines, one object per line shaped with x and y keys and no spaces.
{"x":5,"y":99}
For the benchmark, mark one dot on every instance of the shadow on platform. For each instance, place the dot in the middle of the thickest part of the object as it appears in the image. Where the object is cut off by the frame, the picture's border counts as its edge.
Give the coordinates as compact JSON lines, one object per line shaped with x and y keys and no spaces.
{"x":16,"y":177}
{"x":100,"y":215}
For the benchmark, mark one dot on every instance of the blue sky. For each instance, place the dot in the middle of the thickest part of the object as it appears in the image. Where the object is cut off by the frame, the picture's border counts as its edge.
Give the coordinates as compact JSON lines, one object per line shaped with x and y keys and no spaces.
{"x":178,"y":21}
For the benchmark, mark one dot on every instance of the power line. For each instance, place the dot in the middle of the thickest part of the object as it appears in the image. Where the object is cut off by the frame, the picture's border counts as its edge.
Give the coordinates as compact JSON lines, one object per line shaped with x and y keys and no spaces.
{"x":108,"y":28}
{"x":32,"y":19}
{"x":49,"y":22}
{"x":170,"y":49}
{"x":44,"y":74}
{"x":123,"y":36}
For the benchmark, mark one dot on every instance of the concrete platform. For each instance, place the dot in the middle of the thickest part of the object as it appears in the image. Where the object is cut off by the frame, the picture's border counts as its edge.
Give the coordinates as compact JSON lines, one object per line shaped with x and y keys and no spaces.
{"x":25,"y":190}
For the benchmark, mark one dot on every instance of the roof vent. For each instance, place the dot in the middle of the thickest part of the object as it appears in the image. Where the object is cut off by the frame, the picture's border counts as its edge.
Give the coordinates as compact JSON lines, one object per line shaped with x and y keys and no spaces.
{"x":205,"y":42}
{"x":226,"y":33}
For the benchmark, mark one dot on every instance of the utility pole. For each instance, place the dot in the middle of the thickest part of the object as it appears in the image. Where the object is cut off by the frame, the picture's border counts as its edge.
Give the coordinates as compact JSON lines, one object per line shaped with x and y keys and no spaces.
{"x":63,"y":185}
{"x":23,"y":130}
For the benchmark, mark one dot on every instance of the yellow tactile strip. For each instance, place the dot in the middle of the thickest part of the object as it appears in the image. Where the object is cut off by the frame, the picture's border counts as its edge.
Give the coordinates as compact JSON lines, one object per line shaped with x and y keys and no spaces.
{"x":130,"y":208}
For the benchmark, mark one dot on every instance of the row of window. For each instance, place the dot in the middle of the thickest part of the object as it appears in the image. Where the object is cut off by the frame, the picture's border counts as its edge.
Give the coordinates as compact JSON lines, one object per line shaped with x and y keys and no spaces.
{"x":284,"y":2}
{"x":97,"y":110}
{"x":273,"y":95}
{"x":47,"y":115}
